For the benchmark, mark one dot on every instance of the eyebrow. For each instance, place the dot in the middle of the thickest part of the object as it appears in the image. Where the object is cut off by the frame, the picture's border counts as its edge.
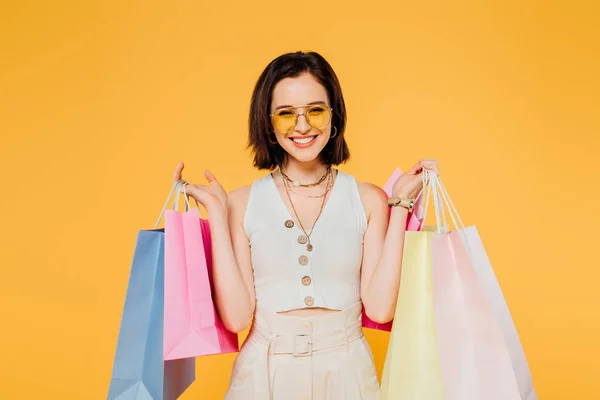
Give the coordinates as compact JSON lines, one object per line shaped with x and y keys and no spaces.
{"x":309,"y":104}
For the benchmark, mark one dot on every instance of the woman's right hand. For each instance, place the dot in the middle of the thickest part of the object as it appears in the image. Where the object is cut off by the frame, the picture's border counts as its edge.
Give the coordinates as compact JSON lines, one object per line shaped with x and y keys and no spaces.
{"x":212,"y":196}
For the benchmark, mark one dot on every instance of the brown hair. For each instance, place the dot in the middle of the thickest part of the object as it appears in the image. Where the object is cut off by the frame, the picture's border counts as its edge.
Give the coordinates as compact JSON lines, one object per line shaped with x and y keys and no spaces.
{"x":291,"y":65}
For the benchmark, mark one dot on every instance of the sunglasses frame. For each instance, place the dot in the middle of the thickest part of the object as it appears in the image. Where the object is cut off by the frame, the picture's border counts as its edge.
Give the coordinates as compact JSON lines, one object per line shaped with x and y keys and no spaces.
{"x":298,"y":115}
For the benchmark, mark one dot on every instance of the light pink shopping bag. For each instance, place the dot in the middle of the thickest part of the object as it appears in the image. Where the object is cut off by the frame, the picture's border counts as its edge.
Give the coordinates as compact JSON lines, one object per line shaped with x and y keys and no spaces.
{"x":495,"y":298}
{"x":415,"y":222}
{"x":474,"y":357}
{"x":192,"y":326}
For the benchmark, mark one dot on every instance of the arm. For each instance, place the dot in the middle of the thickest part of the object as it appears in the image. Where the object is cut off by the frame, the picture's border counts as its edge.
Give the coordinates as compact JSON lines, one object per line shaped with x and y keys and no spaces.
{"x":382,"y":253}
{"x":232,"y":270}
{"x":384,"y":241}
{"x":232,"y":273}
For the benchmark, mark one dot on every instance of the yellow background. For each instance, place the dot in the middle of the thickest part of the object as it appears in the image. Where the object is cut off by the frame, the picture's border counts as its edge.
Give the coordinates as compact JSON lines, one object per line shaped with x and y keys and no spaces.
{"x":100,"y":100}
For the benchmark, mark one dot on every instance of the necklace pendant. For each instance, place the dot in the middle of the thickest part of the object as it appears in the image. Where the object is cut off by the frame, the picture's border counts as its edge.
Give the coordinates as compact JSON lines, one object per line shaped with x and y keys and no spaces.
{"x":296,"y":183}
{"x":309,"y":247}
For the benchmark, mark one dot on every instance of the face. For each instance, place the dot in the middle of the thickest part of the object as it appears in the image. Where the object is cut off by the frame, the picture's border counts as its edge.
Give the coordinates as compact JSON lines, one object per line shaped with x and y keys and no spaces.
{"x":303,"y":142}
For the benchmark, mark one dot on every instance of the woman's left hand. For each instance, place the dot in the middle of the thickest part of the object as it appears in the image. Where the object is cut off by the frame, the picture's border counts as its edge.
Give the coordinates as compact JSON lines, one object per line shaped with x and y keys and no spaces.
{"x":410,"y":183}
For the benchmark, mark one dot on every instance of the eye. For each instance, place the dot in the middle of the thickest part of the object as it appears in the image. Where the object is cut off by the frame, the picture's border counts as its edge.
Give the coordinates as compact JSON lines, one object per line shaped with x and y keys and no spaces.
{"x":285,"y":113}
{"x":317,"y":110}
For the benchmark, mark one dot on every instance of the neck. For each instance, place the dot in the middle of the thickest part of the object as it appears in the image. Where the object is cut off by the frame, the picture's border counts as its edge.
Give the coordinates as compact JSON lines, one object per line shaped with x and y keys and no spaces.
{"x":308,"y":171}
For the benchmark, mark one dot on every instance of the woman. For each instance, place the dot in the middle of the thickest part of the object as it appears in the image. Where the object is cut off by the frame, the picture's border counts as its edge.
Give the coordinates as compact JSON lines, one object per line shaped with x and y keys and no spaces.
{"x":302,"y":250}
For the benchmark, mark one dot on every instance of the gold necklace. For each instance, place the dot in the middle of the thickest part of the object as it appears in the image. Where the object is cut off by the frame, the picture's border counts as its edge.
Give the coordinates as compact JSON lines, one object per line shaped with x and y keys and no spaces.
{"x":309,"y":246}
{"x":297,"y":183}
{"x":311,"y":196}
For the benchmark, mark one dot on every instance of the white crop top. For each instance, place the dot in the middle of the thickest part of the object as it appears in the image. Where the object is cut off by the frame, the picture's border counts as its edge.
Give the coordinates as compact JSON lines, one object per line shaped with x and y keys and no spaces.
{"x":286,"y":275}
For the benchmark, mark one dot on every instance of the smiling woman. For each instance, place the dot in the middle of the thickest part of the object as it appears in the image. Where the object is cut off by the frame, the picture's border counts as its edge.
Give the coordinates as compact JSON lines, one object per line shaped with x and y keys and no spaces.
{"x":303,"y":249}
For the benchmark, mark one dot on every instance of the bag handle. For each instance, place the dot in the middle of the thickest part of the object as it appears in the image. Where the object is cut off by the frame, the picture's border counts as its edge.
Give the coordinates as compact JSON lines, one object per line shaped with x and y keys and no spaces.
{"x":178,"y":188}
{"x":441,"y":200}
{"x":187,"y":202}
{"x":162,"y":212}
{"x":451,"y":208}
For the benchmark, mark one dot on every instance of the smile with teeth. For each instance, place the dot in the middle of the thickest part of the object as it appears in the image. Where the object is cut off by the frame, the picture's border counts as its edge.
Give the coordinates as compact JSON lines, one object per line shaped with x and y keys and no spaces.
{"x":303,"y":140}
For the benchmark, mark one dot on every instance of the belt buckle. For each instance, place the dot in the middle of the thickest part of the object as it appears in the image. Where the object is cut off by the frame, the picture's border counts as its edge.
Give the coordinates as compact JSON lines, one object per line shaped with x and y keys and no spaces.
{"x":309,"y":343}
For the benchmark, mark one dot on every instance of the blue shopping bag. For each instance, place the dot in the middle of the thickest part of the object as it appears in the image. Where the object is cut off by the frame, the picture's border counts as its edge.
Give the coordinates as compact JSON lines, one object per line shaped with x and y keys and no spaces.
{"x":139,"y":372}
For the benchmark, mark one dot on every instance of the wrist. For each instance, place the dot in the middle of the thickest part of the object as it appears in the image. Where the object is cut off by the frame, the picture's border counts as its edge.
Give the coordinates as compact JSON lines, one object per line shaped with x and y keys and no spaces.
{"x":401,"y":211}
{"x":217,"y":216}
{"x":406,"y":203}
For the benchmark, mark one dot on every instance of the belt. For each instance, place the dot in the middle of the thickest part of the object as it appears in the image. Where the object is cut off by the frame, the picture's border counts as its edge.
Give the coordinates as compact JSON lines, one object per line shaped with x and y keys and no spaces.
{"x":304,"y":344}
{"x":299,"y":343}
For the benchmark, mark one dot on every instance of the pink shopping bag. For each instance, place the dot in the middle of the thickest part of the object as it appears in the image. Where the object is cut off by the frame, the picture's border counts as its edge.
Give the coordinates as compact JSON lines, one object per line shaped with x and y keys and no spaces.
{"x":192,"y":326}
{"x":415,"y":221}
{"x":474,"y":357}
{"x":464,"y":275}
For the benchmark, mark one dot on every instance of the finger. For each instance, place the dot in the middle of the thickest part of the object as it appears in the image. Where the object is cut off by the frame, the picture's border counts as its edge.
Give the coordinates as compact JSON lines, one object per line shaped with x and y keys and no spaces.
{"x":211,"y":178}
{"x":198,"y":192}
{"x":417,"y":168}
{"x":432,"y":166}
{"x":434,"y":170}
{"x":427,"y":163}
{"x":178,"y":171}
{"x":196,"y":186}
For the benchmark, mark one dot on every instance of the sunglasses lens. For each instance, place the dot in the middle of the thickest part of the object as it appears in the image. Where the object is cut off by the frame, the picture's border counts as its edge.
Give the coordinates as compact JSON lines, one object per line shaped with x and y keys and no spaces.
{"x":284,"y":120}
{"x":318,"y":117}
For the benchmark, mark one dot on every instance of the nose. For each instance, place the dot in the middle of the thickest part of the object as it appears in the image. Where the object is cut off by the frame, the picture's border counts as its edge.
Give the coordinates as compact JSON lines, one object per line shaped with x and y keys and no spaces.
{"x":303,"y":126}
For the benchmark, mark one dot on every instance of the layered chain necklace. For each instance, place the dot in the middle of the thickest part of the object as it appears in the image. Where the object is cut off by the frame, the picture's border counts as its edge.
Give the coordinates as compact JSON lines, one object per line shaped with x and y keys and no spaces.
{"x":327,"y":188}
{"x":297,"y":183}
{"x":328,"y":175}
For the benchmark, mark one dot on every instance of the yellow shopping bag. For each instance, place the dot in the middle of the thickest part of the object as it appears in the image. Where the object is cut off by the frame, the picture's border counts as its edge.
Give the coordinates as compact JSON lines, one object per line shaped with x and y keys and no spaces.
{"x":412,"y":350}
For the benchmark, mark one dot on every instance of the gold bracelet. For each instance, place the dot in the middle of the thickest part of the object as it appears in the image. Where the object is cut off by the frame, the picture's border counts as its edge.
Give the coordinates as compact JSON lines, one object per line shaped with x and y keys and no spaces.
{"x":405,"y":203}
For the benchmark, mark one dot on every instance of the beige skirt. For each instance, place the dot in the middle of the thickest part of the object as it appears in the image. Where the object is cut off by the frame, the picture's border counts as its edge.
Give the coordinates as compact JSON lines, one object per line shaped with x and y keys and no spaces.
{"x":316,"y":358}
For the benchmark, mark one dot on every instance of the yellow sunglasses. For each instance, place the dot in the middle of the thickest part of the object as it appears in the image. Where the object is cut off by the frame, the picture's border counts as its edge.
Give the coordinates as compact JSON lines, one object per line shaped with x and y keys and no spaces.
{"x":285,"y":119}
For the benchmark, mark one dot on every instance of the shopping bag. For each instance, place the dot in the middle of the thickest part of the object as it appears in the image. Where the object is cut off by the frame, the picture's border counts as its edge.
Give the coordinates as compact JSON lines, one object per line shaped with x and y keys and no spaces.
{"x":468,"y":332}
{"x":412,"y":368}
{"x":469,"y":255}
{"x":447,"y":342}
{"x":192,"y":326}
{"x":414,"y":223}
{"x":139,"y":372}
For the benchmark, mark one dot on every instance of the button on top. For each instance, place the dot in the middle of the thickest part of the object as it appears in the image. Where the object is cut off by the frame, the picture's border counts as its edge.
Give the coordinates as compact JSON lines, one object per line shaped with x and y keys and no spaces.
{"x":303,"y":260}
{"x":289,"y":223}
{"x":309,"y":301}
{"x":302,"y":239}
{"x":306,"y":280}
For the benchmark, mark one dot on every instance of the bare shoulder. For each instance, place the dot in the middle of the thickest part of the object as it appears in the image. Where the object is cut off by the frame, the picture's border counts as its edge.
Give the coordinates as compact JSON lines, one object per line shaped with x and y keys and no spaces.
{"x":237,"y":198}
{"x":372,"y":196}
{"x":371,"y":193}
{"x":240,"y":194}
